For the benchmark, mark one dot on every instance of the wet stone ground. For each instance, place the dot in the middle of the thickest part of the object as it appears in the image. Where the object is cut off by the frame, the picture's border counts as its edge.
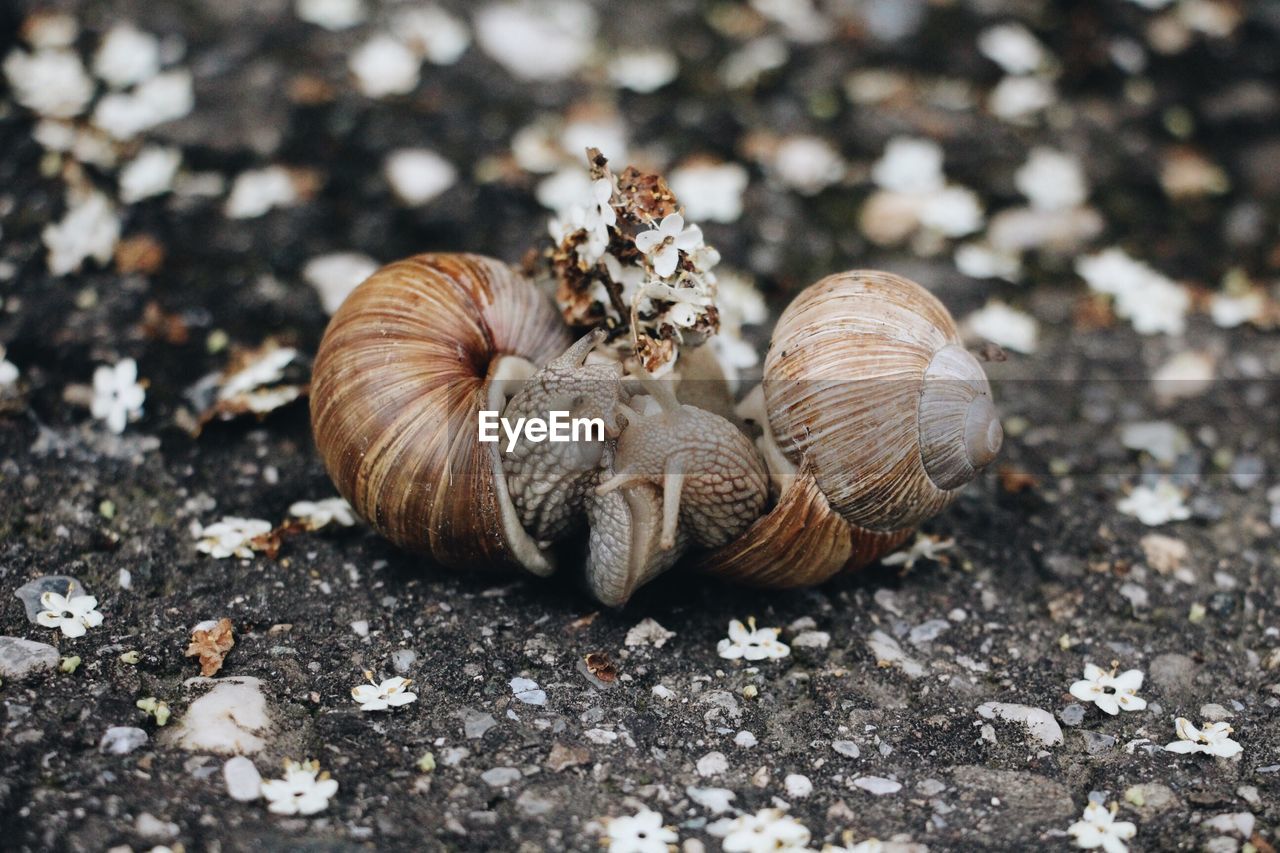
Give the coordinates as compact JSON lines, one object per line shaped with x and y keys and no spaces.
{"x":882,"y":703}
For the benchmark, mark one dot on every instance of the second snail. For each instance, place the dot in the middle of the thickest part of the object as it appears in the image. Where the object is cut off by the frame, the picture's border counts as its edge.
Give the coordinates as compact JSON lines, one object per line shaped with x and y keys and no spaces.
{"x":870,"y":417}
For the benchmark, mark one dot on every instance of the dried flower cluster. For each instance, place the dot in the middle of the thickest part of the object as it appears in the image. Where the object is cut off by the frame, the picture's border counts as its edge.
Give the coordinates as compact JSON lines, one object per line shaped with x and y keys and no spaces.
{"x":626,"y":261}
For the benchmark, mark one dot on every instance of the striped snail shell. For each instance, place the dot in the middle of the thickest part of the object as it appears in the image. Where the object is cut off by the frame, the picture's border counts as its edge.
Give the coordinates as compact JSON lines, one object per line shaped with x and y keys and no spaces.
{"x":874,"y":415}
{"x":405,"y":366}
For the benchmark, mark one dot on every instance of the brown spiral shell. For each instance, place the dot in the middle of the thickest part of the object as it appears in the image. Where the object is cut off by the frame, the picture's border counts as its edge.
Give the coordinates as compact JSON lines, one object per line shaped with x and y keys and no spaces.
{"x":401,"y":374}
{"x":878,"y":415}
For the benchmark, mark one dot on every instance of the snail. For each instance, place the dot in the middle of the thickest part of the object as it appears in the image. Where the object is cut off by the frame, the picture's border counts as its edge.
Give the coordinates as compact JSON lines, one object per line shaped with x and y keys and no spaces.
{"x":871,"y":416}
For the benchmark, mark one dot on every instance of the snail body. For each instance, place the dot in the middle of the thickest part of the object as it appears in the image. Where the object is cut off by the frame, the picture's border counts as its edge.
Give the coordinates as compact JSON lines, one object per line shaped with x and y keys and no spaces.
{"x":871,"y":417}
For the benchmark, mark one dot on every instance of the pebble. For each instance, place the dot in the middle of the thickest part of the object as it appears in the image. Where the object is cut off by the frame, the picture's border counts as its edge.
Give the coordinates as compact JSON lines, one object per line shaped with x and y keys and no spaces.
{"x":878,"y":785}
{"x":1073,"y":714}
{"x":714,"y":800}
{"x":1239,"y":823}
{"x":886,"y":650}
{"x":1039,"y":722}
{"x":1247,"y":471}
{"x":29,"y":593}
{"x":1096,"y":742}
{"x":19,"y":657}
{"x":500,"y":777}
{"x":846,"y":748}
{"x":1214,"y":713}
{"x":149,"y":826}
{"x":243,"y":780}
{"x":228,"y":720}
{"x":745,"y":739}
{"x":798,"y":786}
{"x":403,"y":659}
{"x":526,"y":690}
{"x":475,"y":723}
{"x":811,"y":640}
{"x":712,"y":764}
{"x":121,"y":740}
{"x":927,"y":632}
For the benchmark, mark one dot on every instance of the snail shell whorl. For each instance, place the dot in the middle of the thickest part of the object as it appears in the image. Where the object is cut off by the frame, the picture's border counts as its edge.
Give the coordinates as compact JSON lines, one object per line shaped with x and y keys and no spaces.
{"x":398,"y":381}
{"x":867,"y":381}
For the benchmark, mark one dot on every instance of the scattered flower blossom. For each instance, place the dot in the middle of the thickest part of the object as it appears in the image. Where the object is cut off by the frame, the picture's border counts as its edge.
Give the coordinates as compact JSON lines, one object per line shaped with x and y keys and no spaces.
{"x":642,"y":832}
{"x":644,"y":71}
{"x":1098,"y":827}
{"x":751,"y":643}
{"x":90,"y":229}
{"x":335,"y":275}
{"x":149,"y":174}
{"x":432,"y":33}
{"x":391,"y":693}
{"x":385,"y":66}
{"x":304,"y":790}
{"x":1151,"y":301}
{"x":1016,"y":99}
{"x":807,"y":164}
{"x":259,"y":190}
{"x":72,"y":614}
{"x":909,"y":166}
{"x":766,"y":831}
{"x":333,"y":15}
{"x":664,"y":244}
{"x":1156,"y":505}
{"x":117,"y":394}
{"x":8,"y":372}
{"x":711,"y":191}
{"x":1012,"y":47}
{"x":979,"y":260}
{"x":163,"y":98}
{"x":127,"y":56}
{"x":923,"y":548}
{"x":318,"y":514}
{"x":230,"y":537}
{"x":418,"y":175}
{"x":1213,"y":739}
{"x":51,"y":82}
{"x":1110,"y":692}
{"x":1051,"y":180}
{"x":539,"y":40}
{"x":1004,"y":325}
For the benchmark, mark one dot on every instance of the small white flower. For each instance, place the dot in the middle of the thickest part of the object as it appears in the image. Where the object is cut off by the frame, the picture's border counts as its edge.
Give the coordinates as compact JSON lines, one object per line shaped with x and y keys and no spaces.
{"x":953,"y":211}
{"x":807,"y":164}
{"x":1151,"y":301}
{"x":318,"y":514}
{"x":1017,"y":99}
{"x":163,"y":98}
{"x":601,"y":214}
{"x":1012,"y":47}
{"x":418,"y":175}
{"x":8,"y":371}
{"x":1110,"y":692}
{"x":644,"y":70}
{"x":664,"y":243}
{"x":766,"y":831}
{"x":73,"y":615}
{"x":1213,"y":739}
{"x":117,"y":396}
{"x":127,"y":56}
{"x":710,"y":191}
{"x":1051,"y":180}
{"x":432,"y":33}
{"x":266,"y":369}
{"x":924,"y":548}
{"x":51,"y":82}
{"x":258,"y":190}
{"x":304,"y":790}
{"x":230,"y":537}
{"x":980,"y":260}
{"x":384,"y":66}
{"x":540,"y":40}
{"x":751,"y":643}
{"x":335,"y":275}
{"x":90,"y":229}
{"x":333,"y":15}
{"x":149,"y":174}
{"x":1098,"y":827}
{"x":909,"y":166}
{"x":1004,"y":325}
{"x":1155,"y":505}
{"x":391,"y":693}
{"x":642,"y":832}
